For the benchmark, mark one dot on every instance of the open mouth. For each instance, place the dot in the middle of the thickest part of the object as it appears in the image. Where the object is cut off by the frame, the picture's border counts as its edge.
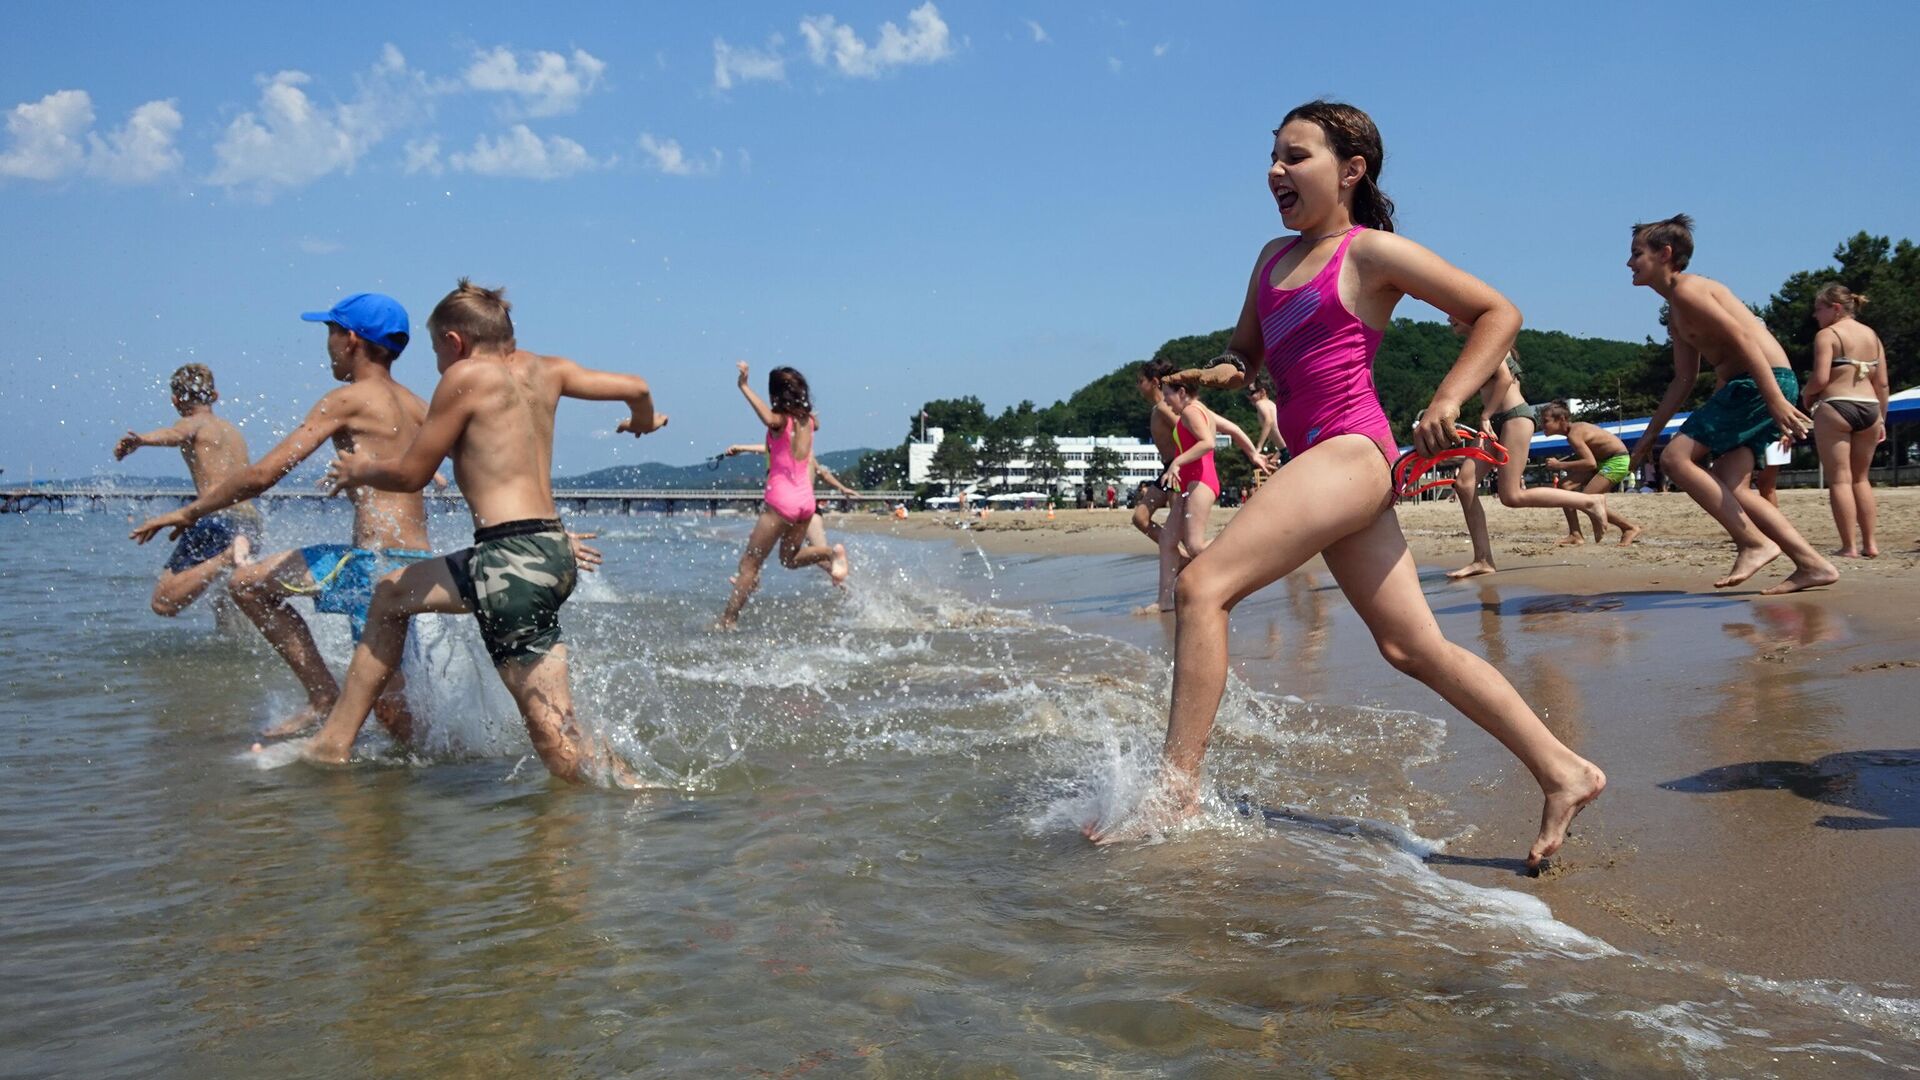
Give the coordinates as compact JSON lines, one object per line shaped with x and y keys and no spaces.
{"x":1286,"y":199}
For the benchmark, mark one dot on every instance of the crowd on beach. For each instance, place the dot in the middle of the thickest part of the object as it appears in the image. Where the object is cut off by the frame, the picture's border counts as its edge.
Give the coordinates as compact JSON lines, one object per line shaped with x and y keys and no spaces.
{"x":1326,"y":460}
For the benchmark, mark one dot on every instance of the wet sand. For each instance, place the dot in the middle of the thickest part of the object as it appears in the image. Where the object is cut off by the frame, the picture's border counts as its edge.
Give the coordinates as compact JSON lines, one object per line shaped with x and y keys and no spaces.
{"x":1763,"y":811}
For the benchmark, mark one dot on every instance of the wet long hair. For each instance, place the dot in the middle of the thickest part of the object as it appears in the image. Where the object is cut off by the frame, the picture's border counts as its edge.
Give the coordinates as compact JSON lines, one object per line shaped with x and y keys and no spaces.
{"x":788,"y":394}
{"x":1350,"y":133}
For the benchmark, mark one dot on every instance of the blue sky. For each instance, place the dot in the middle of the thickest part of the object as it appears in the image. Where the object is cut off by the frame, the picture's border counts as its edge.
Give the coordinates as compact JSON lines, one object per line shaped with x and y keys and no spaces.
{"x":903,"y":201}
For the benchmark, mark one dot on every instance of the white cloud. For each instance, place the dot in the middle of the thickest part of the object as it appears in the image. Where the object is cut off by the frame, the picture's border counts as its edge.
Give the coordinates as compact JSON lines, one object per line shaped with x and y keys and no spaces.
{"x":549,"y":85}
{"x":314,"y":245}
{"x":290,"y":141}
{"x":1039,"y":32}
{"x":1115,"y":64}
{"x":747,"y":64}
{"x":46,"y":141}
{"x":667,"y":156}
{"x":1161,"y":49}
{"x":422,"y":156}
{"x":141,"y":150}
{"x":925,"y":41}
{"x":521,"y":153}
{"x":44,"y":136}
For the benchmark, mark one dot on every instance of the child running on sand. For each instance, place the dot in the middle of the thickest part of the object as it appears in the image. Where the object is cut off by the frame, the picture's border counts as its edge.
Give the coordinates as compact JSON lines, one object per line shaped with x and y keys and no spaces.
{"x":1508,"y":419}
{"x":1315,"y":309}
{"x":493,"y":412}
{"x":1752,"y":406}
{"x":790,"y":505}
{"x":366,"y":333}
{"x":214,"y":451}
{"x":1596,"y":454}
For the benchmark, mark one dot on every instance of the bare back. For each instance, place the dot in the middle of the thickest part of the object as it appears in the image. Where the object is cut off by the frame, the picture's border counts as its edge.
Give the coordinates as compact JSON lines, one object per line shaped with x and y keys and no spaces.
{"x":214,"y":449}
{"x":1602,"y":443}
{"x":504,"y":456}
{"x":1161,"y":427}
{"x":1855,"y":342}
{"x":380,"y":417}
{"x":1727,"y":363}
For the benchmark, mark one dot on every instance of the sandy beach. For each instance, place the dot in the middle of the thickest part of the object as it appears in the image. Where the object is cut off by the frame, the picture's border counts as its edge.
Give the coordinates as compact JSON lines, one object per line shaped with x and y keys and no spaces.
{"x":1763,"y":811}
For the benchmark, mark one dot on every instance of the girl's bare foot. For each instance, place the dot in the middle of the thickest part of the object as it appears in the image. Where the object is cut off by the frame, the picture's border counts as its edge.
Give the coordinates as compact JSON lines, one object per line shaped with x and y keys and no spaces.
{"x":1562,"y":805}
{"x":1570,"y":540}
{"x":1628,"y":534}
{"x":1597,"y":514}
{"x":1870,"y":550}
{"x":837,"y":569}
{"x":1748,"y":563}
{"x":1151,"y":610}
{"x":1806,"y":577}
{"x":1473,"y":569}
{"x":315,"y":752}
{"x":1844,"y":553}
{"x":315,"y":712}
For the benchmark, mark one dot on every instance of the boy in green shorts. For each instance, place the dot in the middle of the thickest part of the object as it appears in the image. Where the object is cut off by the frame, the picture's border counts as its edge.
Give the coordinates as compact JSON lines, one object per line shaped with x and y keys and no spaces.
{"x":1752,"y":406}
{"x":1598,"y":455}
{"x":493,"y":414}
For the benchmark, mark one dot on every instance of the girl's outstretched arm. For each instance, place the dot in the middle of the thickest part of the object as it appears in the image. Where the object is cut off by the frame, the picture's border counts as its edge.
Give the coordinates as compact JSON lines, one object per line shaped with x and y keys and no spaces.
{"x":767,"y":416}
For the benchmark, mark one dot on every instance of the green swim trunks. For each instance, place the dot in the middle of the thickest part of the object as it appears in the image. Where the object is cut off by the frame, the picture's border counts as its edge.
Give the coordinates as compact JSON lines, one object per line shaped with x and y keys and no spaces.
{"x":1737,"y":415}
{"x":515,"y":577}
{"x":1617,"y":468}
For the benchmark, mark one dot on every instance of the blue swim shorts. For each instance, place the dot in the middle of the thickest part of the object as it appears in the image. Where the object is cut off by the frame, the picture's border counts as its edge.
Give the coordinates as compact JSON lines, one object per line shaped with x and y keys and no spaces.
{"x":211,"y":536}
{"x":343,"y":577}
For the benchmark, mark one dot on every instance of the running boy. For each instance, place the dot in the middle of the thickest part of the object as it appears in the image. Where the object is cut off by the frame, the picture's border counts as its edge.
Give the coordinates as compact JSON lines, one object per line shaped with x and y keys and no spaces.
{"x":214,"y":450}
{"x":372,"y":413}
{"x":493,"y":413}
{"x":1595,"y":453}
{"x":1751,"y":407}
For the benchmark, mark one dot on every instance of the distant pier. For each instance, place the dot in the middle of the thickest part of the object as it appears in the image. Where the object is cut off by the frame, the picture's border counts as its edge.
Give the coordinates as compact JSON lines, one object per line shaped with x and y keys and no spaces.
{"x":657,"y":500}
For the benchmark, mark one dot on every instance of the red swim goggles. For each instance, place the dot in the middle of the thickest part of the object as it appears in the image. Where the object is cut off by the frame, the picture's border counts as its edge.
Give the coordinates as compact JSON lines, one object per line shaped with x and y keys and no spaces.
{"x":1413,"y":464}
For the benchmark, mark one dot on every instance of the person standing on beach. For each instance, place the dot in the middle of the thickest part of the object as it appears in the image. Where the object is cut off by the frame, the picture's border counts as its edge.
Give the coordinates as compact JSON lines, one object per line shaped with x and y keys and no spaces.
{"x":1848,"y":388}
{"x":1751,"y":407}
{"x":790,"y":507}
{"x":1506,"y":418}
{"x":1191,"y":472}
{"x":1596,"y":454}
{"x":214,"y":451}
{"x":493,"y":413}
{"x":366,"y":333}
{"x":1315,"y":309}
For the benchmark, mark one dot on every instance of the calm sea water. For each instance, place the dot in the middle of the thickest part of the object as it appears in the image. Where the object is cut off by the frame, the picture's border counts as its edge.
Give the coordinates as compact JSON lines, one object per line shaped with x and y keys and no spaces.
{"x":863,"y":859}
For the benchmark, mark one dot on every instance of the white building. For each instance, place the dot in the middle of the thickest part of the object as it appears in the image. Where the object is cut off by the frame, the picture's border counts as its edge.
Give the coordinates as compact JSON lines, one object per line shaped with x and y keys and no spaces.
{"x":1139,"y":460}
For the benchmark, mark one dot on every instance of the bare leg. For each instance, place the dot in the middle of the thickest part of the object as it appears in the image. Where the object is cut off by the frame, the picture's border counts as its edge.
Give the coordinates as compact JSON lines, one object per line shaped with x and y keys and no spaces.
{"x":1600,"y":485}
{"x":1170,"y":549}
{"x":539,"y":687}
{"x":1835,"y":443}
{"x":1766,"y":482}
{"x":1516,"y":435}
{"x":261,"y":591}
{"x":795,"y":552}
{"x":1377,"y":574}
{"x":1196,"y":508}
{"x":423,"y":587}
{"x":1466,"y":488}
{"x":177,"y":589}
{"x":1681,"y":461}
{"x":767,"y":531}
{"x":1324,"y":493}
{"x":1145,"y":503}
{"x":1864,"y":443}
{"x":1810,"y":568}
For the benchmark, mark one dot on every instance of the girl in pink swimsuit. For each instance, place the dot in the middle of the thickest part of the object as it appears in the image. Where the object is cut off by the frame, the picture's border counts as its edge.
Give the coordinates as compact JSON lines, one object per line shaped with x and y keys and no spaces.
{"x":1314,"y":311}
{"x":790,"y":504}
{"x":1191,"y":472}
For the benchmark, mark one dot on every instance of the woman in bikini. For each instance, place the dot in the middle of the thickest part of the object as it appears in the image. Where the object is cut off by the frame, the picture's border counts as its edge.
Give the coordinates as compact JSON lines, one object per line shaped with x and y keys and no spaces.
{"x":1507,"y":418}
{"x":1849,"y":388}
{"x":1192,"y":472}
{"x":1315,"y":310}
{"x":789,"y":508}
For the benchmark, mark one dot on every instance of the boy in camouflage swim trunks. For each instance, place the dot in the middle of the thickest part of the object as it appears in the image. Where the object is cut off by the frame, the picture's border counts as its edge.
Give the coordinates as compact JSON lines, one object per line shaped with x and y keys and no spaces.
{"x":493,"y":413}
{"x":1752,"y":406}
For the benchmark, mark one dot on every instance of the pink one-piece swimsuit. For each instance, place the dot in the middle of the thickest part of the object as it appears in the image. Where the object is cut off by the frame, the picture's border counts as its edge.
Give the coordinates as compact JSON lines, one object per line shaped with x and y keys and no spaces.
{"x":1320,"y":357}
{"x":1198,"y":471}
{"x":789,"y":481}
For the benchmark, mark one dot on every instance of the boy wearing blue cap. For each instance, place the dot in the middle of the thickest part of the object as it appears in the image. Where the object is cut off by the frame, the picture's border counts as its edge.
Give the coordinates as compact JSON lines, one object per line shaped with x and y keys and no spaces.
{"x":378,"y":417}
{"x":493,"y":412}
{"x":214,"y":450}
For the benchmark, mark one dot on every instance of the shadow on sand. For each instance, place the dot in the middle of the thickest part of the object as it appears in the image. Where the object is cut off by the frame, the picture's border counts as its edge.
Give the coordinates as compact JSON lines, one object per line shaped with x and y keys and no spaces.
{"x":1882,"y":783}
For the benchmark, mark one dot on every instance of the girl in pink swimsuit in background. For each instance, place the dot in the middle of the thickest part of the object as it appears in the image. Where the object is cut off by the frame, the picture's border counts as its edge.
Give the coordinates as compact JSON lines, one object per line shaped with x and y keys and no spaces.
{"x":790,"y":505}
{"x":1314,"y":312}
{"x":1192,"y":472}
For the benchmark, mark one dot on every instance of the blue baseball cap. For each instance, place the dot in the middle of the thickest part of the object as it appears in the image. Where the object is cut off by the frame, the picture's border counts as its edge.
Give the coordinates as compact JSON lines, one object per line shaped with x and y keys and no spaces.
{"x":375,"y":316}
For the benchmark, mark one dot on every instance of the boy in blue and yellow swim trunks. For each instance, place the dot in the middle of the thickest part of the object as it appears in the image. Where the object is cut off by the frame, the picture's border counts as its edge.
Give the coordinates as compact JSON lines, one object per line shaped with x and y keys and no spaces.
{"x":373,"y":413}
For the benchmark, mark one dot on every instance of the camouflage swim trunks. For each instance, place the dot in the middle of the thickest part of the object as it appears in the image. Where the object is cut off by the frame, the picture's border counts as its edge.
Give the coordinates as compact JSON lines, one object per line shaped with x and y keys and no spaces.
{"x":515,"y":577}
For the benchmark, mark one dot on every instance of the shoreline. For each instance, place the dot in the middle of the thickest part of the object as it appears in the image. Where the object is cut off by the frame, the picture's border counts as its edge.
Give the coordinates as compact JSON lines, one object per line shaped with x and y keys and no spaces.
{"x":1755,"y":750}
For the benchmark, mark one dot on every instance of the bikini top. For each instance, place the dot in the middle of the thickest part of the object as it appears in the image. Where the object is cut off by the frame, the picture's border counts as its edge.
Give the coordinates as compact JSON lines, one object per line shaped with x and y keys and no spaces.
{"x":1866,"y":366}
